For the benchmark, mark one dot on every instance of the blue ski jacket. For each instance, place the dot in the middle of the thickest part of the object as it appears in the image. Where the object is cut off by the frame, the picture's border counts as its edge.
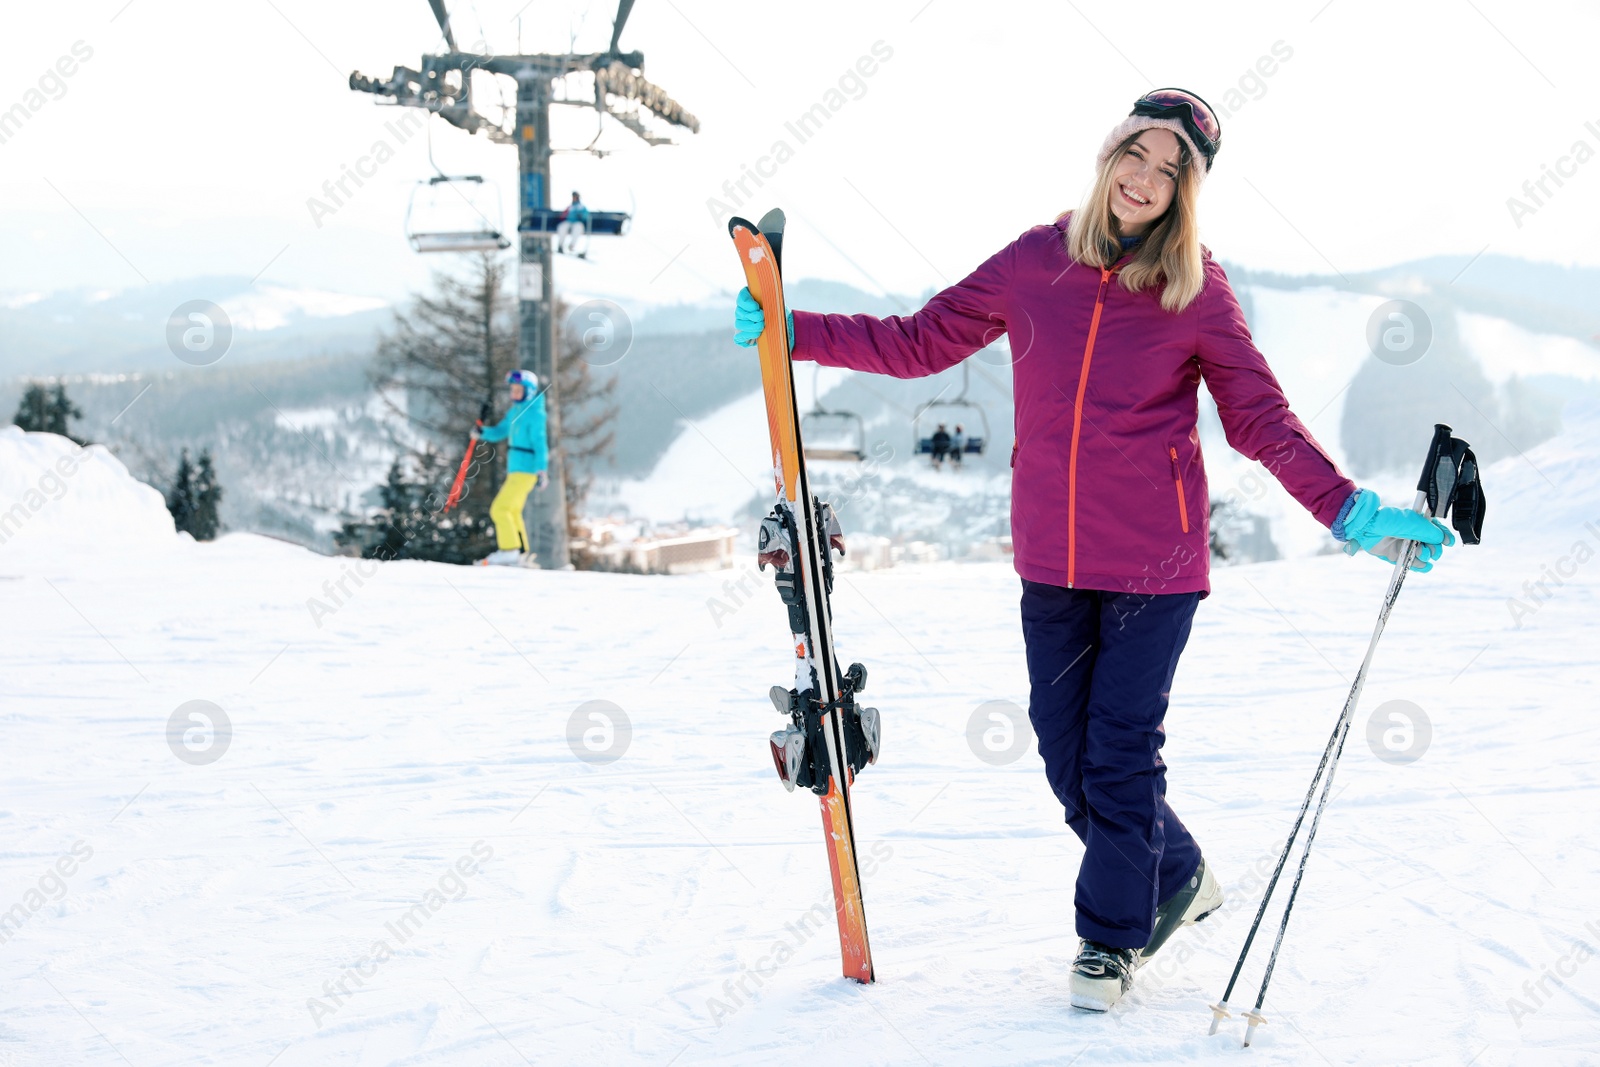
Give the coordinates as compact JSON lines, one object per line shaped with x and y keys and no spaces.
{"x":524,"y":425}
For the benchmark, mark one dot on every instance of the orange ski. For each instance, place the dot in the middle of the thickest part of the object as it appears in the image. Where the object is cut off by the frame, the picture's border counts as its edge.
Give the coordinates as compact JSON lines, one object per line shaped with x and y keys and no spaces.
{"x":830,"y":736}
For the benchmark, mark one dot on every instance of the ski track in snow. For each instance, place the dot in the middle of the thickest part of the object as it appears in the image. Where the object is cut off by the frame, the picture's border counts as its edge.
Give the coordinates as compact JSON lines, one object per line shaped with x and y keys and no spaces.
{"x":625,"y":903}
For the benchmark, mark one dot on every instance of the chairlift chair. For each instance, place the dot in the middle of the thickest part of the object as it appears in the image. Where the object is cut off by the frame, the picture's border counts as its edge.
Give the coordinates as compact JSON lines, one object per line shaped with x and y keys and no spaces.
{"x":844,"y":433}
{"x":975,"y":442}
{"x":601,"y":224}
{"x":460,"y":213}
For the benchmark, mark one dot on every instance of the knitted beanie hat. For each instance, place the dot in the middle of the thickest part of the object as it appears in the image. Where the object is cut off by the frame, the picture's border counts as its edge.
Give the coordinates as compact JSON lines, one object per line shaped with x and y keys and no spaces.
{"x":1135,"y":123}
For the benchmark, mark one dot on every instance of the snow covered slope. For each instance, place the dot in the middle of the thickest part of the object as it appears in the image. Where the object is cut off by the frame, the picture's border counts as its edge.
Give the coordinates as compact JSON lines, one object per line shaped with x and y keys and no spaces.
{"x":59,"y":498}
{"x":408,"y":845}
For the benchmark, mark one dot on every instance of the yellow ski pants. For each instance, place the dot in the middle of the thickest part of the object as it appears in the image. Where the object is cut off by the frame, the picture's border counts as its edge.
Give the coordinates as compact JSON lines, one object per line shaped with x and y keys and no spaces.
{"x":506,"y":510}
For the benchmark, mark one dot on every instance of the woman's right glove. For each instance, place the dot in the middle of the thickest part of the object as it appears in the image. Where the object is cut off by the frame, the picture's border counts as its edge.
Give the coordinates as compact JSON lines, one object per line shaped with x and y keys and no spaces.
{"x":1365,"y":524}
{"x":749,"y":320}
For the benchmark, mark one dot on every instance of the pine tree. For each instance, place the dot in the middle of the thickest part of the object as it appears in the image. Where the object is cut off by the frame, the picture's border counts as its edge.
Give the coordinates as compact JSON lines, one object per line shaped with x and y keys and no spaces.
{"x":47,"y":411}
{"x":207,"y":494}
{"x":412,"y":524}
{"x":181,"y":500}
{"x":447,"y":354}
{"x":33,"y":414}
{"x":61,"y":410}
{"x":384,"y":537}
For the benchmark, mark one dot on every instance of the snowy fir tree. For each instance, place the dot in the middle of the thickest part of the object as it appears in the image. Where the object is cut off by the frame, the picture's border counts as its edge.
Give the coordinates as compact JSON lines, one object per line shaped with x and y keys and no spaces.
{"x":49,"y":410}
{"x":411,"y":522}
{"x":180,"y":498}
{"x":206,"y":494}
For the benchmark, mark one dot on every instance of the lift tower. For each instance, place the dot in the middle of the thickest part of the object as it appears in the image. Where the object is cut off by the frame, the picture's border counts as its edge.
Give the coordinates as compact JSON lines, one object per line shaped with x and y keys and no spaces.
{"x":443,"y":86}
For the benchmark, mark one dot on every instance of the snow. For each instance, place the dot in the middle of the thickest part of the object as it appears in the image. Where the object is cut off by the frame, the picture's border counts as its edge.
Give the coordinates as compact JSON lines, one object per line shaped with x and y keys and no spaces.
{"x":316,"y":418}
{"x":56,"y":497}
{"x":393,"y":724}
{"x":1506,"y":349}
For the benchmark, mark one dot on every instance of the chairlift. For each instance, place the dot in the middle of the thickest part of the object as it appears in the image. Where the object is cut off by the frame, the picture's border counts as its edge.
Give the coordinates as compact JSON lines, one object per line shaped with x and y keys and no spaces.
{"x":843,"y":434}
{"x":460,"y":213}
{"x":975,"y":442}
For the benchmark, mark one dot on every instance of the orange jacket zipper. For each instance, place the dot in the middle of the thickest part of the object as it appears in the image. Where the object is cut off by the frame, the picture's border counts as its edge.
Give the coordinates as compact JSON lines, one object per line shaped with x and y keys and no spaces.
{"x":1177,"y":479}
{"x":1077,"y":423}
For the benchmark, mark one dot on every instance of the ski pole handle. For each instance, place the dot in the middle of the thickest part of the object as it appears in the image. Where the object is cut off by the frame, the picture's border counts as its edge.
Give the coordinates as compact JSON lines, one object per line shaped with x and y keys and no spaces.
{"x":1440,"y":454}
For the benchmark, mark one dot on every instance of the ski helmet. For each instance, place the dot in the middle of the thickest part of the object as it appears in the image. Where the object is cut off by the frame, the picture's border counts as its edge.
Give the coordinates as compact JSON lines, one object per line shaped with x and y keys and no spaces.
{"x":525,"y":378}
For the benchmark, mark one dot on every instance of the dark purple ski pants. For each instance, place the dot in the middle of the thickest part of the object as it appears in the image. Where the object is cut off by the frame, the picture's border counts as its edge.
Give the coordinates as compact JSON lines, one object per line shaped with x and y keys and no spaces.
{"x":1100,"y":665}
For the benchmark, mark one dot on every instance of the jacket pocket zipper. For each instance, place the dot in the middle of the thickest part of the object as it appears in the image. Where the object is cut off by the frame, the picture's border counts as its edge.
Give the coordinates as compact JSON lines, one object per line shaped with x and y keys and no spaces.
{"x":1177,"y":480}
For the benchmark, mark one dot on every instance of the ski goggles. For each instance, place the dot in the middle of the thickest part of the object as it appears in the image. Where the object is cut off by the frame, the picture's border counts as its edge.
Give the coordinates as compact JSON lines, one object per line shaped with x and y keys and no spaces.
{"x":1196,"y":115}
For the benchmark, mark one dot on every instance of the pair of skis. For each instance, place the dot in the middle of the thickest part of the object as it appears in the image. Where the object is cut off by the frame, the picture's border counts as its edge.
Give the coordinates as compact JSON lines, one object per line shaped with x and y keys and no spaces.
{"x":829,"y":736}
{"x":1449,"y":484}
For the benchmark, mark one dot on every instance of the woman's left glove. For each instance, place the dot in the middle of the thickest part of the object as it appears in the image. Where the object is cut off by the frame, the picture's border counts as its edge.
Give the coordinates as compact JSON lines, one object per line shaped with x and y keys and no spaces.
{"x":1383,"y":532}
{"x":749,"y":320}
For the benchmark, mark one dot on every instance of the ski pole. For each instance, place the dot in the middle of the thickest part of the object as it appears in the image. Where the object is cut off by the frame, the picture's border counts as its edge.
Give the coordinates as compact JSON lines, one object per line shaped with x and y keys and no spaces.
{"x":1255,"y":1017}
{"x":1333,"y":749}
{"x":461,"y":472}
{"x":1435,"y":488}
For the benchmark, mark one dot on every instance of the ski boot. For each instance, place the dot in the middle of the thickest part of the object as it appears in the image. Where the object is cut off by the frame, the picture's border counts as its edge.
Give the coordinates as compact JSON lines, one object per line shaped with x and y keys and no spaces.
{"x":1101,"y":974}
{"x":1198,"y":898}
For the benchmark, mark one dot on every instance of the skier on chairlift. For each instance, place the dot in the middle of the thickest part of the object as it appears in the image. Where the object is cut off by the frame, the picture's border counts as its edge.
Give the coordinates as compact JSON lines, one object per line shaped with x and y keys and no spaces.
{"x":941,"y":446}
{"x":574,"y":225}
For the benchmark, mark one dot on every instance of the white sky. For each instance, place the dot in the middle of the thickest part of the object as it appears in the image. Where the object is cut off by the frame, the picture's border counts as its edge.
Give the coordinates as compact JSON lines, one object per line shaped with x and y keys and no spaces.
{"x":194,"y":136}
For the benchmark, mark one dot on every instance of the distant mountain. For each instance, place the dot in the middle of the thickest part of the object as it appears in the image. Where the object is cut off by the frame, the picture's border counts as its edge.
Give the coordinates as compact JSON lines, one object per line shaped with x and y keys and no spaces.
{"x":1542,"y":297}
{"x":104,"y":331}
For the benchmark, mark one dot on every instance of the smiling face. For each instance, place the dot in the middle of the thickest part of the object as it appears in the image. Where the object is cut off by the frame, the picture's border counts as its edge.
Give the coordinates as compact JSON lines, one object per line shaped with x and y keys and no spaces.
{"x":1144,"y":181}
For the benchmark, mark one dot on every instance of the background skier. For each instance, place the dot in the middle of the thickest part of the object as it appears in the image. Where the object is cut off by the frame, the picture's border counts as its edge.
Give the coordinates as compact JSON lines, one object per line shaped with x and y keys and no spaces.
{"x":941,"y":445}
{"x":573,"y":225}
{"x":1109,"y":509}
{"x":524,"y":426}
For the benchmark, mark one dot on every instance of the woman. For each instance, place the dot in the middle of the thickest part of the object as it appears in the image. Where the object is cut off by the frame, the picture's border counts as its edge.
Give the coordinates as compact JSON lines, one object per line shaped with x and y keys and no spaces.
{"x":1115,"y":314}
{"x":524,"y":425}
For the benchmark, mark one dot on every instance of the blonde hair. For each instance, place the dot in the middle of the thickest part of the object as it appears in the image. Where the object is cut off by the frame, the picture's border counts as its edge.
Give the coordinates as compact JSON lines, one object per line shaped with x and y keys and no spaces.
{"x":1170,"y":251}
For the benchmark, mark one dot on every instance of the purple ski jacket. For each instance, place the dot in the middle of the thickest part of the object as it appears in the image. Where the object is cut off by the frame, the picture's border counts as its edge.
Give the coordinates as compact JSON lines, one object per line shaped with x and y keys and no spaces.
{"x":1108,"y":484}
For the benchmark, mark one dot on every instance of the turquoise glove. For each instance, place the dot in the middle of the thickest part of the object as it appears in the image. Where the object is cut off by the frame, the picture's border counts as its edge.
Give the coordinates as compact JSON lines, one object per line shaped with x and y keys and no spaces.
{"x":1383,"y":532}
{"x":749,"y":320}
